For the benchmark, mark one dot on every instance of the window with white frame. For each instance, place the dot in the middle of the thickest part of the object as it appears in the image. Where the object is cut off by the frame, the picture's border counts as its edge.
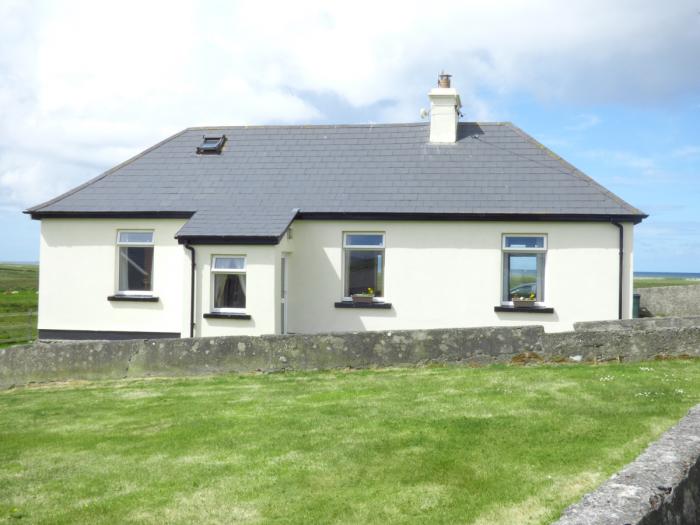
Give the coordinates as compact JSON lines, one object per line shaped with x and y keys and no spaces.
{"x":523,"y":267}
{"x":135,"y":262}
{"x":364,"y":264}
{"x":228,"y":283}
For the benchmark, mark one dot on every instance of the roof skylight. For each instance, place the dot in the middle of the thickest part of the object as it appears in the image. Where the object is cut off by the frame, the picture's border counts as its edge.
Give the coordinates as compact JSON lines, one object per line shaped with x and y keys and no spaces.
{"x":211,"y":144}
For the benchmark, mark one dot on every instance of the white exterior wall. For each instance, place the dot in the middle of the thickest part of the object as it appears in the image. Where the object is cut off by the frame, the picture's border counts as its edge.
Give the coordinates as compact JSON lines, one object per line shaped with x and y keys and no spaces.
{"x":437,"y":275}
{"x":262,"y":291}
{"x":78,"y":271}
{"x":449,"y":274}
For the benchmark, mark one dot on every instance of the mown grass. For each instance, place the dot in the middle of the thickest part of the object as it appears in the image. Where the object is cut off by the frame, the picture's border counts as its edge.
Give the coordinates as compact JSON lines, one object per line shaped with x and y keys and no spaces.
{"x":432,"y":445}
{"x":18,"y":296}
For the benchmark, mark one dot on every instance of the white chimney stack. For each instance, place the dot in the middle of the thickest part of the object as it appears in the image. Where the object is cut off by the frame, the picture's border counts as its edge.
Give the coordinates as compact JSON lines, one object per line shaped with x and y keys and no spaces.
{"x":444,"y":111}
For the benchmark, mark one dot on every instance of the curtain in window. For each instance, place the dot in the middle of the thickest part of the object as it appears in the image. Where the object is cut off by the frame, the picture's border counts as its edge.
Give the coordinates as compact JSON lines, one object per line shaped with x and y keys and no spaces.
{"x":229,"y":291}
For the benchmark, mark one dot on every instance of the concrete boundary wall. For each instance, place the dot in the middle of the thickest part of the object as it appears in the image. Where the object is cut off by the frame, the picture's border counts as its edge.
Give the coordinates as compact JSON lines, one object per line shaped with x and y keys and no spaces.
{"x":661,"y":487}
{"x":671,"y":300}
{"x":619,"y":340}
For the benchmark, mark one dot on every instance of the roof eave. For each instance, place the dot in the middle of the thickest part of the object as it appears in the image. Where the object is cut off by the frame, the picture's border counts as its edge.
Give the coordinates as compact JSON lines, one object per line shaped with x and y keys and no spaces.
{"x":418,"y":216}
{"x":229,"y":239}
{"x":38,"y":215}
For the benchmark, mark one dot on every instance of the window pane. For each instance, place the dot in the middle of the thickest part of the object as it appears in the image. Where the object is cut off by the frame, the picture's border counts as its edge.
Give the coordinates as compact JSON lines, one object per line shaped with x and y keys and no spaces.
{"x":364,"y":239}
{"x":522,"y":276}
{"x":136,"y":237}
{"x":365,"y":269}
{"x":229,"y":290}
{"x":524,"y":242}
{"x":229,"y":263}
{"x":135,"y":268}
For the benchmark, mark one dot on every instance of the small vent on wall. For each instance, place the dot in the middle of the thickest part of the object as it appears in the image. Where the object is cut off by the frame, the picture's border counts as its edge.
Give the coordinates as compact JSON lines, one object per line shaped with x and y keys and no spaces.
{"x":211,"y":144}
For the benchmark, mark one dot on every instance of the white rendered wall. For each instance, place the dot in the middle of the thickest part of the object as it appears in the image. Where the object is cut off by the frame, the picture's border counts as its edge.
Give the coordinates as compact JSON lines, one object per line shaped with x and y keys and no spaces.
{"x":449,"y":274}
{"x":262,"y":291}
{"x":437,"y":274}
{"x":78,"y":271}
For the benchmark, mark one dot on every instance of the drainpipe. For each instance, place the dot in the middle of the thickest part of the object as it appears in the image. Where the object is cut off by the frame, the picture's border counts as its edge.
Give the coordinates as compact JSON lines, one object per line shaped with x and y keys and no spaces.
{"x":621,"y":270}
{"x":192,"y":275}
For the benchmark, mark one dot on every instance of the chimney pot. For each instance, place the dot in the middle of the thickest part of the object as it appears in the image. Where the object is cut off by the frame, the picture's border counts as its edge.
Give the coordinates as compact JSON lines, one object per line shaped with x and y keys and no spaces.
{"x":444,"y":80}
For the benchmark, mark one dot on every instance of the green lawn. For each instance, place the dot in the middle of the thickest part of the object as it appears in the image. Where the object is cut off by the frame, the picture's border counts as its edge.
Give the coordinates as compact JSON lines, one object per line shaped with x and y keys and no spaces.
{"x":441,"y":445}
{"x":18,"y":296}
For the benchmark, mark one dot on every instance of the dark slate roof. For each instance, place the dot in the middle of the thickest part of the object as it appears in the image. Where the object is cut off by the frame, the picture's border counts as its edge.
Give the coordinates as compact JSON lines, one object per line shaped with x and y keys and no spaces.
{"x":267,"y":175}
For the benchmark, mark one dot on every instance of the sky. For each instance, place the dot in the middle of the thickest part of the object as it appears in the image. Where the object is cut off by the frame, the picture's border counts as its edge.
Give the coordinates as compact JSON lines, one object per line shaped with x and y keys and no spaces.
{"x":613,"y":87}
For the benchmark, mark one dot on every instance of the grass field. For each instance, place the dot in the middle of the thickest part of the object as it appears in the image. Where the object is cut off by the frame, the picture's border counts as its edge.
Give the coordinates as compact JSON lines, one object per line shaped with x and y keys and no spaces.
{"x":432,"y":445}
{"x":18,"y":297}
{"x":651,"y":282}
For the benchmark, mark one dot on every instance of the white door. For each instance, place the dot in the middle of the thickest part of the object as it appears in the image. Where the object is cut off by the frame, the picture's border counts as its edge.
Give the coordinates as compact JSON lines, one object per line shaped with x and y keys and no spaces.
{"x":284,"y":293}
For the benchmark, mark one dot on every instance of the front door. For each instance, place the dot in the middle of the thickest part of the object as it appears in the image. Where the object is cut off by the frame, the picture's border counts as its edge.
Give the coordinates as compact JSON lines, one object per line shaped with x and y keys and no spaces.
{"x":284,"y":294}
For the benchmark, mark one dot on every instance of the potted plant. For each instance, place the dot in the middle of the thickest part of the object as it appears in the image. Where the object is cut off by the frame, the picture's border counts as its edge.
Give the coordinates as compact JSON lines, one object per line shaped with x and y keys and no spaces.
{"x":524,"y":302}
{"x":366,"y":297}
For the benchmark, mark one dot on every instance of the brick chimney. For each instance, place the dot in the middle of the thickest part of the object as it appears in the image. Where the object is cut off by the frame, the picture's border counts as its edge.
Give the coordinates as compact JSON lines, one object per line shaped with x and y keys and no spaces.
{"x":444,"y":111}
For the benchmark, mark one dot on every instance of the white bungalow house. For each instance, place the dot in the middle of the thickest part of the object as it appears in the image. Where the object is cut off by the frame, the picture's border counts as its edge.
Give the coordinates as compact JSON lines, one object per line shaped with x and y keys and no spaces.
{"x":300,"y":229}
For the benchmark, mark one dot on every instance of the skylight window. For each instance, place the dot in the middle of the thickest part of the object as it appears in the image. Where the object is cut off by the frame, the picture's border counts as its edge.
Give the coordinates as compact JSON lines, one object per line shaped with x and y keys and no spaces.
{"x":211,"y":144}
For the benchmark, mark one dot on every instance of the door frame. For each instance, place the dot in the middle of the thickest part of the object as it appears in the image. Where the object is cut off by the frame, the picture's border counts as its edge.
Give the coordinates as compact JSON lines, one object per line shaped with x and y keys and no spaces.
{"x":284,"y":293}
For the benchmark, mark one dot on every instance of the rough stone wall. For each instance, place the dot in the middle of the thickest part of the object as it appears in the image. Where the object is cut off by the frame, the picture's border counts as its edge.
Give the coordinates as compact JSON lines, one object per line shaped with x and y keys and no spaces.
{"x":633,"y":344}
{"x":212,"y":355}
{"x":638,"y":339}
{"x":661,"y":487}
{"x":646,"y":323}
{"x":668,"y":301}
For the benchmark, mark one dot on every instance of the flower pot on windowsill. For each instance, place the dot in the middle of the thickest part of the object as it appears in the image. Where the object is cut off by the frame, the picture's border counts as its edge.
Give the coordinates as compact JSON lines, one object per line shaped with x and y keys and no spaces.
{"x":524,"y":303}
{"x":362,"y":298}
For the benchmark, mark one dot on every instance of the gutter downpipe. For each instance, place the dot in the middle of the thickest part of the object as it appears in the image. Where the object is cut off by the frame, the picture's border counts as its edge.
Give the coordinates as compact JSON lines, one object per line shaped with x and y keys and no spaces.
{"x":192,"y":280}
{"x":621,"y":269}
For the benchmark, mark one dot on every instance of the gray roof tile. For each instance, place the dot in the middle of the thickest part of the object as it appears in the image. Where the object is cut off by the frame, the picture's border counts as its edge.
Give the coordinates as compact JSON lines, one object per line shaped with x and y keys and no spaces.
{"x":265,"y":173}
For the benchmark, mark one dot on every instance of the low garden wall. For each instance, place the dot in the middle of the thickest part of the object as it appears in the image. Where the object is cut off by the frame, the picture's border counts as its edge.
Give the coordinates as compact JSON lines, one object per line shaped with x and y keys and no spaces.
{"x":667,"y":301}
{"x":661,"y":487}
{"x":637,"y":339}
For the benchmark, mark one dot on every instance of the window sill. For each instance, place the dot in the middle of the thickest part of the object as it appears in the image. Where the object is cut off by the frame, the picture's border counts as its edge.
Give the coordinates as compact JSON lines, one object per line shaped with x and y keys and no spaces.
{"x":134,"y":298}
{"x":223,"y":315}
{"x":350,"y":304}
{"x":525,"y":309}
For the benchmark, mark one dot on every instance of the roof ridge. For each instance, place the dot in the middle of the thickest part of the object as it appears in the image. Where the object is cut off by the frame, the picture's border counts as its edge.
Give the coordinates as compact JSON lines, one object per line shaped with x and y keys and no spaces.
{"x":577,"y":172}
{"x":102,"y":175}
{"x":334,"y":126}
{"x":311,"y":126}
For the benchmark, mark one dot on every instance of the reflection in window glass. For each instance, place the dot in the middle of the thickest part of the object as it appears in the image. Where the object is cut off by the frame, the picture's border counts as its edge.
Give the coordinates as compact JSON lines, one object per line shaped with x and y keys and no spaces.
{"x":518,"y":242}
{"x":364,"y":239}
{"x":135,"y":237}
{"x":229,"y":263}
{"x":135,"y":268}
{"x":523,"y":267}
{"x":365,"y":270}
{"x":522,"y":276}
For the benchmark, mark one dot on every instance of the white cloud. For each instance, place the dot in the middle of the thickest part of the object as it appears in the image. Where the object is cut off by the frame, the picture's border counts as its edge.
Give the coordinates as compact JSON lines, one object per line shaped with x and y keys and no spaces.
{"x":584,"y":122}
{"x":84,"y":85}
{"x":686,"y":151}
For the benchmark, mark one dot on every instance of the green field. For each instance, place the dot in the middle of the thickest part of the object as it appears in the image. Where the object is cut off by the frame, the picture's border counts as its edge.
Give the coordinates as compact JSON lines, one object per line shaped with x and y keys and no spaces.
{"x":652,"y":282}
{"x":501,"y":444}
{"x":18,"y":302}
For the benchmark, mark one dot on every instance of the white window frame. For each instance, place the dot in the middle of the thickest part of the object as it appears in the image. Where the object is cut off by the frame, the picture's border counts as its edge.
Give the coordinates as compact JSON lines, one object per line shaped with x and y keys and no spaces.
{"x":523,"y":251}
{"x":214,"y":271}
{"x":151,"y":244}
{"x":363,"y":247}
